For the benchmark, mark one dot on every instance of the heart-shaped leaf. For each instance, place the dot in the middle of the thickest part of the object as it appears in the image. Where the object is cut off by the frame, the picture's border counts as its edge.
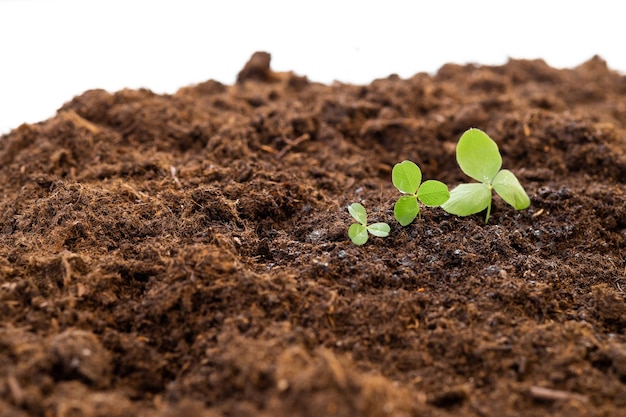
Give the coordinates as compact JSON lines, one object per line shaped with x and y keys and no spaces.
{"x":406,"y":210}
{"x":468,"y":199}
{"x":379,"y":229}
{"x":357,"y":211}
{"x":358,"y":234}
{"x":406,"y":177}
{"x":478,"y":156}
{"x":508,"y":187}
{"x":433,"y":193}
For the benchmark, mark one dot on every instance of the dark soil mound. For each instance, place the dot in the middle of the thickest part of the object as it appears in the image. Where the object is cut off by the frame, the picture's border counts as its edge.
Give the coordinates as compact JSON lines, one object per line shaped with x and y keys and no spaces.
{"x":187,"y":254}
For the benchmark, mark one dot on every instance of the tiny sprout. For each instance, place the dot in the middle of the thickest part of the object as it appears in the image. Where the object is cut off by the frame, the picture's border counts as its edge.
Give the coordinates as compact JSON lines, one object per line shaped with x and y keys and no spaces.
{"x":407,"y":177}
{"x":358,"y":232}
{"x":478,"y":157}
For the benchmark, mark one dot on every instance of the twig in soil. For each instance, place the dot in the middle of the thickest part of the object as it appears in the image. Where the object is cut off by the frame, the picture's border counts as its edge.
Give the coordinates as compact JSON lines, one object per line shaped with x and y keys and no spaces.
{"x":549,"y":394}
{"x":75,"y":118}
{"x":173,"y":174}
{"x":337,"y":371}
{"x":16,"y":390}
{"x":538,"y":213}
{"x":292,"y":143}
{"x":67,"y":269}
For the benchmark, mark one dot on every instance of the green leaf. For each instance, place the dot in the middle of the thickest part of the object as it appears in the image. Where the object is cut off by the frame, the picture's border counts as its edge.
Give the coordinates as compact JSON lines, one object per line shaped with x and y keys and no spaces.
{"x":358,"y":213}
{"x":508,"y":187}
{"x":406,"y":176}
{"x":358,"y":234}
{"x":379,"y":229}
{"x":468,"y":199}
{"x":406,"y":210}
{"x":433,"y":193}
{"x":478,"y":155}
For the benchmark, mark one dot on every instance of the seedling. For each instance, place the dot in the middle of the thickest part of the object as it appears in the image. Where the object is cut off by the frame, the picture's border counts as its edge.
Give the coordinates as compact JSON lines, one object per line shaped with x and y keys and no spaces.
{"x":407,"y":177}
{"x":358,"y":232}
{"x":479,"y":158}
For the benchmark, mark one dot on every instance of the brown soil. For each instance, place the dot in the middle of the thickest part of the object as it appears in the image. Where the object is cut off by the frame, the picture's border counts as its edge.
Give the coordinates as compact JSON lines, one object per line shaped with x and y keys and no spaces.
{"x":187,"y":254}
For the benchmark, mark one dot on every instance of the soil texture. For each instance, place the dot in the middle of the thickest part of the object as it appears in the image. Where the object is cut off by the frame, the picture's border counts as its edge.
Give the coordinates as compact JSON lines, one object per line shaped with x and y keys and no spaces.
{"x":187,"y":254}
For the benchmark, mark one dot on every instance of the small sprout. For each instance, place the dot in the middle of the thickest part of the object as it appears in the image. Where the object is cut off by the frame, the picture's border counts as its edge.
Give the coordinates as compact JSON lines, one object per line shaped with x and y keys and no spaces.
{"x":407,"y":177}
{"x":358,"y":232}
{"x":479,"y":158}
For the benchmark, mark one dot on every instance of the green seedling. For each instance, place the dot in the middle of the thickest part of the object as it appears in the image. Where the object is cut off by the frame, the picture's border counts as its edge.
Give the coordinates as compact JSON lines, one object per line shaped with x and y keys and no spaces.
{"x":407,"y":177}
{"x":358,"y":232}
{"x":479,"y":158}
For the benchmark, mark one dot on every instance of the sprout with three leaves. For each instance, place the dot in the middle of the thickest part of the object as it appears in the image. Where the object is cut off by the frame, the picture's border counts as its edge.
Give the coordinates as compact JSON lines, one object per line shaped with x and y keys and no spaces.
{"x":407,"y":177}
{"x":479,"y":158}
{"x":358,"y":232}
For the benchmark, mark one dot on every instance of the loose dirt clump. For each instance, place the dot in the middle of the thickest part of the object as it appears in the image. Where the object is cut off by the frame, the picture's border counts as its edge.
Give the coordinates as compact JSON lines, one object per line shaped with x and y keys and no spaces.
{"x":187,"y":254}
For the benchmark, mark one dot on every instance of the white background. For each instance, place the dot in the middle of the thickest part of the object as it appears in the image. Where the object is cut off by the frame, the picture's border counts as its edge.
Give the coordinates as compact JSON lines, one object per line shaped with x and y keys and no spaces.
{"x":52,"y":50}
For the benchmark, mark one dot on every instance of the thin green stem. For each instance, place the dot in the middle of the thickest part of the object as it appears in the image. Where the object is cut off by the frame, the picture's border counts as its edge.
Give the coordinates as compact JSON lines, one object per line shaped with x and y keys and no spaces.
{"x":489,"y":206}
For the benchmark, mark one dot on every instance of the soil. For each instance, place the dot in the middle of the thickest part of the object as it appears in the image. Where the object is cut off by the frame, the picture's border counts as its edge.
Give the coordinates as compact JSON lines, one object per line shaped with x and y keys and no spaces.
{"x":187,"y":254}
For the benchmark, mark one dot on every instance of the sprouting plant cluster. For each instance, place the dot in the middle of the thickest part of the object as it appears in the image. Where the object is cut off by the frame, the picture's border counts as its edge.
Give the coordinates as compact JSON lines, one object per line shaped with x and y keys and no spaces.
{"x":478,"y":157}
{"x":359,"y":232}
